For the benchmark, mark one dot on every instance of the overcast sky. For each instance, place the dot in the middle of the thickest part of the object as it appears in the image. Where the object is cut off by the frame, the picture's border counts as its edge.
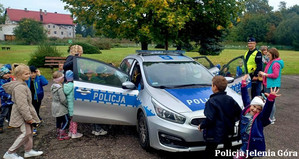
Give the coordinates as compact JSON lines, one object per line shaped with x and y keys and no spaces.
{"x":58,"y":6}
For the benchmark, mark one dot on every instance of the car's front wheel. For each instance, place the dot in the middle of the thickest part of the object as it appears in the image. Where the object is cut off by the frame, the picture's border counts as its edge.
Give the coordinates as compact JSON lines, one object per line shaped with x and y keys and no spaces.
{"x":143,"y":132}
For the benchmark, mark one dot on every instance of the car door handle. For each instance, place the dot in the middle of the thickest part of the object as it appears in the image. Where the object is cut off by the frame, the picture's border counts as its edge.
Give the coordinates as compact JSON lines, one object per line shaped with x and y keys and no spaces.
{"x":83,"y":91}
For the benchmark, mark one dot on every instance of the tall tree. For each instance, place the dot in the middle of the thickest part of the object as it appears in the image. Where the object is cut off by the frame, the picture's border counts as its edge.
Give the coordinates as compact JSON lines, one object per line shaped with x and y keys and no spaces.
{"x":154,"y":20}
{"x":31,"y":31}
{"x":287,"y":32}
{"x":258,"y":6}
{"x":282,"y":5}
{"x":2,"y":17}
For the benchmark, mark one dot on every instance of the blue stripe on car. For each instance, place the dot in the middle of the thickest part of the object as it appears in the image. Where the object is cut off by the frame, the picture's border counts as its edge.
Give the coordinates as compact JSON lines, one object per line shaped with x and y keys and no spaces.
{"x":107,"y":97}
{"x":194,"y":98}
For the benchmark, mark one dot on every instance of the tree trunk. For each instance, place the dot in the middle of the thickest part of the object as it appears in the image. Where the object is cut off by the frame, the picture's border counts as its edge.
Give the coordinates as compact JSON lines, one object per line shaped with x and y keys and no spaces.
{"x":166,"y":41}
{"x":166,"y":44}
{"x":144,"y":46}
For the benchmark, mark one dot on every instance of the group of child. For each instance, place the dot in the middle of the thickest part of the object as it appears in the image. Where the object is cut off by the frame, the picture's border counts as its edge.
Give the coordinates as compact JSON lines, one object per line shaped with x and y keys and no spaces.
{"x":222,"y":112}
{"x":23,"y":114}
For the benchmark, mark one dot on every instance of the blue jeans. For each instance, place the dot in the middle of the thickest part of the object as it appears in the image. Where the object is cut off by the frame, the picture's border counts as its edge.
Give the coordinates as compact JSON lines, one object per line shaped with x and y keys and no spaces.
{"x":4,"y":112}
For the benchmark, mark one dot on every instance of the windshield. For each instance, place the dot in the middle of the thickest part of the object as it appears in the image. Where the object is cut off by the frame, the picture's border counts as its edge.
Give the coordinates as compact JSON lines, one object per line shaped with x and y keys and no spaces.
{"x":176,"y":74}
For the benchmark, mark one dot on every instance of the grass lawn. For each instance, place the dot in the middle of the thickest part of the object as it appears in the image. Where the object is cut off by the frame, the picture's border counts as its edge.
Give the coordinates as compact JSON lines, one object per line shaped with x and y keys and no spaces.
{"x":21,"y":54}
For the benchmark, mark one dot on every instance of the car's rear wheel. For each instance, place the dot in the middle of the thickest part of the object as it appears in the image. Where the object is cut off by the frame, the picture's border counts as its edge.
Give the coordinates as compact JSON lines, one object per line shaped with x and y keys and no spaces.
{"x":143,"y":132}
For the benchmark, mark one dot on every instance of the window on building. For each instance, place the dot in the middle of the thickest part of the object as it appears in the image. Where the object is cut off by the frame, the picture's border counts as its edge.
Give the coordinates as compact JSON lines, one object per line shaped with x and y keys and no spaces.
{"x":59,"y":27}
{"x":70,"y":34}
{"x":62,"y":33}
{"x":55,"y":32}
{"x":70,"y":27}
{"x":49,"y":26}
{"x":53,"y":26}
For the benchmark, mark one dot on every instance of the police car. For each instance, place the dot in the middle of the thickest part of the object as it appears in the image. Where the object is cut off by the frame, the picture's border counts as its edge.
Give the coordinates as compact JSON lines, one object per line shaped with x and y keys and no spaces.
{"x":163,"y":93}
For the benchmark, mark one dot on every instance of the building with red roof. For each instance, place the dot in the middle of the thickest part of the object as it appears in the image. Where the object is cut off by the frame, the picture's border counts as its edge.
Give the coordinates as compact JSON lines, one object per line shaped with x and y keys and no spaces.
{"x":56,"y":24}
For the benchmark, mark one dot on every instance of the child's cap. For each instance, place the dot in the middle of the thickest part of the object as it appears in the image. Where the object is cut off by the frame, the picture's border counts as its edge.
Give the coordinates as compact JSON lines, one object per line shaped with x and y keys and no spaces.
{"x":8,"y":66}
{"x":69,"y":75}
{"x":257,"y":101}
{"x":3,"y":71}
{"x":33,"y":69}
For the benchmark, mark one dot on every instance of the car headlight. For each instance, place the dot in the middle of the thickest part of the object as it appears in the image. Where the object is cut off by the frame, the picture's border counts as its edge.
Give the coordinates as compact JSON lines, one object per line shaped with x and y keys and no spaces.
{"x":167,"y":114}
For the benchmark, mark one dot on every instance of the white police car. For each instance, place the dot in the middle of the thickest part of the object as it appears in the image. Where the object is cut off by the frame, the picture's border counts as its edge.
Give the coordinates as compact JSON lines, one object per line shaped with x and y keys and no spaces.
{"x":163,"y":93}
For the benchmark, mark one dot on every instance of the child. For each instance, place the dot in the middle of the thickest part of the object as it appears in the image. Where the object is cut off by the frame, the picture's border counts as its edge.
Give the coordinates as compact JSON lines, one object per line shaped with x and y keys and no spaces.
{"x":239,"y":71}
{"x":265,"y":59}
{"x":59,"y":106}
{"x":253,"y":120}
{"x":35,"y":83}
{"x":6,"y":103}
{"x":68,"y":89}
{"x":23,"y":114}
{"x":221,"y":112}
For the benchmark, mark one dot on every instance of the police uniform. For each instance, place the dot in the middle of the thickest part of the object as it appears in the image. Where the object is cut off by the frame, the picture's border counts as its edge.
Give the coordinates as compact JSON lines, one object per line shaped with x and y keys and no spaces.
{"x":254,"y":63}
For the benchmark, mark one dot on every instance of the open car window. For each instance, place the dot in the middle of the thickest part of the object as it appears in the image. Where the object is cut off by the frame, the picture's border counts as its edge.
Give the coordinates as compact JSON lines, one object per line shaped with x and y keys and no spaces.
{"x":235,"y":68}
{"x":99,"y":73}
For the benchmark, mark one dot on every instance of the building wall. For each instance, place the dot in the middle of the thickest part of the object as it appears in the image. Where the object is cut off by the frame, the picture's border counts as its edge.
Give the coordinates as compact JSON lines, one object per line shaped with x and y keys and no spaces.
{"x":60,"y":31}
{"x":6,"y":29}
{"x":53,"y":30}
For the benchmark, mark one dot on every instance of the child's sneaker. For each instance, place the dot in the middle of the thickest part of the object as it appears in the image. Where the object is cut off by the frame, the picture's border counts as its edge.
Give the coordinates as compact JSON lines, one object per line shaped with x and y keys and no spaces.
{"x":32,"y":153}
{"x":78,"y":135}
{"x":12,"y":156}
{"x":101,"y":132}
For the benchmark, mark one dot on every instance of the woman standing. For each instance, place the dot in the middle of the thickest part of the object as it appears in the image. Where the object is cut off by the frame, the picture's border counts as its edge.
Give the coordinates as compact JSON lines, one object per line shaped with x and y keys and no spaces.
{"x":272,"y":74}
{"x":23,"y":114}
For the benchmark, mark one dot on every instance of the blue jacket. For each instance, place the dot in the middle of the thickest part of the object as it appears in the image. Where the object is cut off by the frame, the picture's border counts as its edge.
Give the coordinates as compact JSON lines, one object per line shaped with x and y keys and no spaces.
{"x":5,"y":98}
{"x":39,"y":82}
{"x":256,"y":135}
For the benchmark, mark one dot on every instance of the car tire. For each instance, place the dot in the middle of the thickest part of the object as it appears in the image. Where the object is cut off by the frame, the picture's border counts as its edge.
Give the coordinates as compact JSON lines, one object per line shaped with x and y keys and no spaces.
{"x":142,"y":129}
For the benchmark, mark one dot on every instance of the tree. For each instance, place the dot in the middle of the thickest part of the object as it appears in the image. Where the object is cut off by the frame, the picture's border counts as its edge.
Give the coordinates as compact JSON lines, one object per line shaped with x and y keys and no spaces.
{"x":258,"y":6}
{"x":287,"y":32}
{"x":282,"y":5}
{"x":2,"y":17}
{"x":210,"y":23}
{"x":154,"y":20}
{"x":31,"y":31}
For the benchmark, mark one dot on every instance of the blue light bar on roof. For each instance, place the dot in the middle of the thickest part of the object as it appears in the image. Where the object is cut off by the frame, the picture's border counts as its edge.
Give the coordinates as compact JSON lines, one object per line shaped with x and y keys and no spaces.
{"x":160,"y":52}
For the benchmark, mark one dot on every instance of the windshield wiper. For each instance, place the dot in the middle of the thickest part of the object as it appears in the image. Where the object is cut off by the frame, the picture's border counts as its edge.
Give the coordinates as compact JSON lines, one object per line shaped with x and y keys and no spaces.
{"x":163,"y":87}
{"x":188,"y":85}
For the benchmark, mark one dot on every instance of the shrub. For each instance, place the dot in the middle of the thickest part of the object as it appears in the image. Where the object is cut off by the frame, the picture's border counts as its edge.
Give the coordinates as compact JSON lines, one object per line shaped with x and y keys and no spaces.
{"x":87,"y":48}
{"x":38,"y":57}
{"x":102,"y":45}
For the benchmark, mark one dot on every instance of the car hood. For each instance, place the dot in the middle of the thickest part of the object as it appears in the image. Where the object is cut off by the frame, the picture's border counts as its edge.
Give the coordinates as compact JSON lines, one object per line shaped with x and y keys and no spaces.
{"x":187,"y":100}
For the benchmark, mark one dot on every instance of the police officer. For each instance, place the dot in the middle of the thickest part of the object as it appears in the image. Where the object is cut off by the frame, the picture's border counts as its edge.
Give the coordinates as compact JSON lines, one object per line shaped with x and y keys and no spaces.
{"x":253,"y":61}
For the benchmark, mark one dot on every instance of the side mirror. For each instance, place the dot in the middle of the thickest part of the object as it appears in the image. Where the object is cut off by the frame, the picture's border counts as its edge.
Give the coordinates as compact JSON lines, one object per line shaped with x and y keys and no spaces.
{"x":230,"y":79}
{"x":128,"y":85}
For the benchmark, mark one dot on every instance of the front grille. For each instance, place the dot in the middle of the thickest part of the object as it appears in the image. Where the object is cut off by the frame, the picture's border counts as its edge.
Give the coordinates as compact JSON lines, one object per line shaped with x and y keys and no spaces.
{"x":196,"y":121}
